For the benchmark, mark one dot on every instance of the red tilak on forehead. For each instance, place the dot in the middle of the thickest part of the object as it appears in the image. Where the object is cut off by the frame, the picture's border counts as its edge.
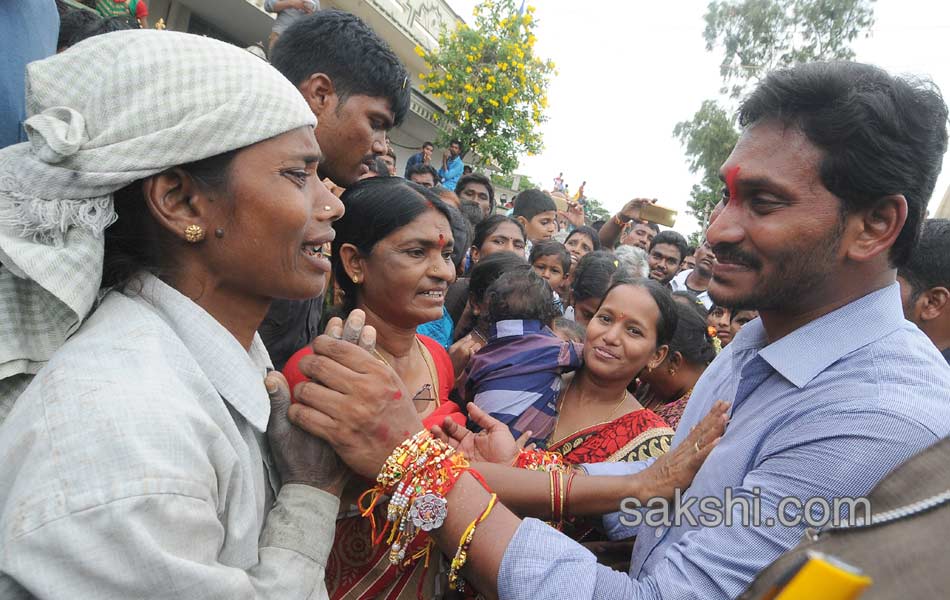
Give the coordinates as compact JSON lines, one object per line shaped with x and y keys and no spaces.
{"x":441,"y":241}
{"x":731,"y":176}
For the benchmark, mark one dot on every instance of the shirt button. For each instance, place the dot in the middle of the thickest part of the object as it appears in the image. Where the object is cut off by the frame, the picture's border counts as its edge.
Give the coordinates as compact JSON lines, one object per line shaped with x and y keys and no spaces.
{"x":658,"y":532}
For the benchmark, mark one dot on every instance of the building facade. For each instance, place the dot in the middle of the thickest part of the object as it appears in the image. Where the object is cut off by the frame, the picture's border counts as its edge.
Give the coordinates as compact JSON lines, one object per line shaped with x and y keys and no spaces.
{"x":404,"y":24}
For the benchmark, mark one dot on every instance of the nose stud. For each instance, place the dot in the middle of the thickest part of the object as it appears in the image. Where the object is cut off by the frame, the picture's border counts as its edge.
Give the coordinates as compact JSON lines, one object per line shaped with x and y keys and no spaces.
{"x":327,"y":208}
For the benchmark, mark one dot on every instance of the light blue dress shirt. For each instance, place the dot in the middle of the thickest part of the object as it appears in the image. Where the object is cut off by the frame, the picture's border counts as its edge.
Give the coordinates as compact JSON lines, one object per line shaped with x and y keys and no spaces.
{"x":452,"y":173}
{"x":825,"y":411}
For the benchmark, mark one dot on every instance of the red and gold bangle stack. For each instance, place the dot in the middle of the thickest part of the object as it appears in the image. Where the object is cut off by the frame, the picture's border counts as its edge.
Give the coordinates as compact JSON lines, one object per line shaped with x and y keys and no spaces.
{"x":417,"y":476}
{"x":540,"y":460}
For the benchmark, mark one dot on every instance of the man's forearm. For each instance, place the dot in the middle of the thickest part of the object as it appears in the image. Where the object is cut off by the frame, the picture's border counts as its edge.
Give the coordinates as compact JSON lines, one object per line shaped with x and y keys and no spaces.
{"x":528,"y":493}
{"x":610,"y":233}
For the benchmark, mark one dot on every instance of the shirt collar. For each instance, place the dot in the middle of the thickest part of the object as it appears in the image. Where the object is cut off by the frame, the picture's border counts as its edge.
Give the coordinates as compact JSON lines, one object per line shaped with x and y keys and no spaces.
{"x":237,"y":374}
{"x":803,"y":354}
{"x":515,"y":327}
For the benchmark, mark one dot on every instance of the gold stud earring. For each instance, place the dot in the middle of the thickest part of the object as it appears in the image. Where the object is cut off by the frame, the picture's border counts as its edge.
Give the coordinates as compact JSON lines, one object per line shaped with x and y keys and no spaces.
{"x":194,"y":233}
{"x":356,"y":279}
{"x":672,"y":370}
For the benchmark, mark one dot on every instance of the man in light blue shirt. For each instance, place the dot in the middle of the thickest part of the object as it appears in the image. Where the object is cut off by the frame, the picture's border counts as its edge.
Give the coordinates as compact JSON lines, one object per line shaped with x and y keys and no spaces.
{"x":452,"y":166}
{"x":831,"y":388}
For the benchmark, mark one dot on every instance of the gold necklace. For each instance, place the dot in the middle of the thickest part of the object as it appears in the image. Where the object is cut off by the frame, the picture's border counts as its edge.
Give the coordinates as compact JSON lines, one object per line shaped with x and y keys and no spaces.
{"x":557,"y":419}
{"x":433,"y":374}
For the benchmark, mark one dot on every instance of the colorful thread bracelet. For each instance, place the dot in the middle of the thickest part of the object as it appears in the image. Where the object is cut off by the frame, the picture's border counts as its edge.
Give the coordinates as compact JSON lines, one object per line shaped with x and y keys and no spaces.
{"x":461,"y":554}
{"x":539,"y":460}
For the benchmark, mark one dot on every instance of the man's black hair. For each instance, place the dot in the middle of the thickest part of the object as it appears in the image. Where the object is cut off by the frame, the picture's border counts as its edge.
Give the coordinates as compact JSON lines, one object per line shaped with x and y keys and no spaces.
{"x":468,"y":178}
{"x":531,"y":203}
{"x":653,"y":226}
{"x":929,"y":264}
{"x":459,"y":144}
{"x":345,"y":49}
{"x":673,"y":239}
{"x":879,"y":134}
{"x":420,"y":169}
{"x":551,"y":248}
{"x":429,"y":144}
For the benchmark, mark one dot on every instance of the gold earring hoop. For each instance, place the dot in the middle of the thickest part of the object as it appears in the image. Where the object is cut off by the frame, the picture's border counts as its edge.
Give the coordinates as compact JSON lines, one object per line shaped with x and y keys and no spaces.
{"x":194,"y":233}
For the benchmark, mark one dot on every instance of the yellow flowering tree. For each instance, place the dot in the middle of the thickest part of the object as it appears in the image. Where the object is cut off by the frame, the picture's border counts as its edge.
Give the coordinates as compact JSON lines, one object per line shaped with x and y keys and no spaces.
{"x":492,"y":85}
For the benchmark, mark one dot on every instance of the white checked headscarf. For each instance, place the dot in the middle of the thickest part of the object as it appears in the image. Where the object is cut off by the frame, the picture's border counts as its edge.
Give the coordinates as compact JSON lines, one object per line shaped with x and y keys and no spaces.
{"x":112,"y":110}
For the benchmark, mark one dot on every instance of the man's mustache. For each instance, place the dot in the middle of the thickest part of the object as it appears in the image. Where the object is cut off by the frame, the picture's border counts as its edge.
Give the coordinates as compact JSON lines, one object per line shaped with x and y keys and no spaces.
{"x":730,"y":253}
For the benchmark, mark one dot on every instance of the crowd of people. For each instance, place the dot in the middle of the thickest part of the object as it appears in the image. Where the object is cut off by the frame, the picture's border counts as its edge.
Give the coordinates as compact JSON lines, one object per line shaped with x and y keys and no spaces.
{"x":243,"y":358}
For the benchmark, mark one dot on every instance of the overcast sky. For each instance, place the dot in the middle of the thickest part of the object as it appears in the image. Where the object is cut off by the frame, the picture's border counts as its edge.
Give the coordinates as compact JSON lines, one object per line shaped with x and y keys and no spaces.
{"x":630,"y":70}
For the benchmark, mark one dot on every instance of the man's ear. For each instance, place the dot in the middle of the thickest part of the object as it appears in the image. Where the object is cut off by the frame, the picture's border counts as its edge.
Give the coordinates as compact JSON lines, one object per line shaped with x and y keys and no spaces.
{"x":933,"y":303}
{"x":874,"y":230}
{"x":177,"y":203}
{"x":319,"y":92}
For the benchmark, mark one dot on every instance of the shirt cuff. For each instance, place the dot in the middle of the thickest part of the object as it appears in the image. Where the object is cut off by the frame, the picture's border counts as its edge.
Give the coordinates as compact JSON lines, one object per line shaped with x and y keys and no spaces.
{"x":303,"y":520}
{"x":616,"y":468}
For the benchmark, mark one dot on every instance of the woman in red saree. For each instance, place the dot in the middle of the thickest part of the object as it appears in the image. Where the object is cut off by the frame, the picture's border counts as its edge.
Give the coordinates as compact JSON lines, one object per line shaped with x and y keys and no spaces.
{"x":598,"y":419}
{"x":392,"y":258}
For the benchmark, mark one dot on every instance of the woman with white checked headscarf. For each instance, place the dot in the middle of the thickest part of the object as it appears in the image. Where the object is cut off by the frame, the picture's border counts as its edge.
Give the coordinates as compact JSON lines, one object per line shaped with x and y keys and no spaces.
{"x":166,"y":195}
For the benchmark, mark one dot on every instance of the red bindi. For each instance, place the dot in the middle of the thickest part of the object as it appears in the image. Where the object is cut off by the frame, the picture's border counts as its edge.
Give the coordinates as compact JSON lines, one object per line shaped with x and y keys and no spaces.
{"x":731,"y":176}
{"x":441,"y":241}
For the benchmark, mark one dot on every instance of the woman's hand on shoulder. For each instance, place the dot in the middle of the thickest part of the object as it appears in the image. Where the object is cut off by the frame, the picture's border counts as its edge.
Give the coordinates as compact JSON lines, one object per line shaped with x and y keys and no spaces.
{"x":675,"y":469}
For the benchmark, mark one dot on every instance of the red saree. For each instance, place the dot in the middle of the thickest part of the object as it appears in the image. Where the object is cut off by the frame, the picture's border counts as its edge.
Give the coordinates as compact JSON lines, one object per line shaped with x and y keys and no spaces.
{"x":638,"y":435}
{"x":634,"y":436}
